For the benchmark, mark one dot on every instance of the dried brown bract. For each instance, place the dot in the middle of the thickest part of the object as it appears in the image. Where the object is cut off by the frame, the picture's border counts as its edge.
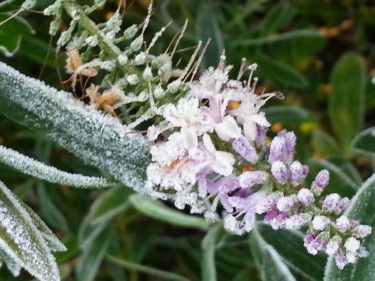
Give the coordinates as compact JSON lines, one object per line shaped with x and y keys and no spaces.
{"x":105,"y":101}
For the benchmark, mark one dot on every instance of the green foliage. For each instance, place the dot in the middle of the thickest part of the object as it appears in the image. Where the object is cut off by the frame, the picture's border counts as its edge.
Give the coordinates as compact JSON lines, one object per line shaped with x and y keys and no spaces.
{"x":347,"y":98}
{"x":11,"y":33}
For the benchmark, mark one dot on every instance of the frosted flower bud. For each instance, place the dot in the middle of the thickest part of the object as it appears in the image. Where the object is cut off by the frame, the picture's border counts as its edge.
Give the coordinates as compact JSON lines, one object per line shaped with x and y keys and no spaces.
{"x":147,"y":74}
{"x":343,"y":224}
{"x":320,"y":222}
{"x":342,"y":205}
{"x":361,"y":231}
{"x":122,"y":59}
{"x":362,"y":252}
{"x":92,"y":41}
{"x":296,"y":173}
{"x":261,"y":138}
{"x":341,"y":260}
{"x":174,"y":86}
{"x":313,"y":244}
{"x":330,"y":202}
{"x":132,"y":79}
{"x":28,"y":4}
{"x":320,"y":182}
{"x":297,"y":221}
{"x":251,"y":178}
{"x":243,"y":147}
{"x":305,"y":196}
{"x":136,"y":44}
{"x":275,"y":219}
{"x":286,"y":203}
{"x":333,"y":245}
{"x":290,"y":145}
{"x":351,"y":257}
{"x":352,"y":244}
{"x":140,"y":59}
{"x":276,"y":149}
{"x":130,"y":32}
{"x":54,"y":27}
{"x":282,"y":147}
{"x":268,"y":203}
{"x":279,"y":172}
{"x":159,"y":92}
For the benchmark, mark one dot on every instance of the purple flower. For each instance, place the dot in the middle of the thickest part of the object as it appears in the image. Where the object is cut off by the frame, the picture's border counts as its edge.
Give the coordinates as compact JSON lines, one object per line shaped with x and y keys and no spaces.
{"x":297,"y":173}
{"x":362,"y":231}
{"x":243,"y":147}
{"x":261,"y":136}
{"x":343,"y":224}
{"x":251,"y":178}
{"x":305,"y":196}
{"x":286,"y":203}
{"x":320,"y":182}
{"x":268,"y":203}
{"x":342,"y":205}
{"x":330,"y":202}
{"x":319,"y":223}
{"x":279,"y":172}
{"x":283,"y":147}
{"x":313,"y":244}
{"x":275,"y":218}
{"x":341,"y":260}
{"x":333,"y":245}
{"x":297,"y":221}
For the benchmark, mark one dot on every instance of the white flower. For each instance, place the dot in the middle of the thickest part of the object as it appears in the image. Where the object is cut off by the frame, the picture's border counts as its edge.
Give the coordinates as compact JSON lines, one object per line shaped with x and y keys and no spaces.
{"x":228,"y":129}
{"x":221,"y":162}
{"x":247,"y":114}
{"x":186,"y":115}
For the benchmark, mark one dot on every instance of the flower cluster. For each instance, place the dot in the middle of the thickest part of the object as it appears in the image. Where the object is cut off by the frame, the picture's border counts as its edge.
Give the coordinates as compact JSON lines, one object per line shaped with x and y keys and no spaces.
{"x":211,"y":153}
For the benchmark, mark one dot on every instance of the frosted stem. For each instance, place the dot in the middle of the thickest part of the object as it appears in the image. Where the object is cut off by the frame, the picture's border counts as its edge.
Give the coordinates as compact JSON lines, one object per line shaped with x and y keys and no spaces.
{"x":75,"y":11}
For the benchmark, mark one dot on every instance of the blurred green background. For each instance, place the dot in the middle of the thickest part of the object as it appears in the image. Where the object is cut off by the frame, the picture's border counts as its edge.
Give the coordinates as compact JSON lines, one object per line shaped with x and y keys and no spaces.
{"x":319,"y":54}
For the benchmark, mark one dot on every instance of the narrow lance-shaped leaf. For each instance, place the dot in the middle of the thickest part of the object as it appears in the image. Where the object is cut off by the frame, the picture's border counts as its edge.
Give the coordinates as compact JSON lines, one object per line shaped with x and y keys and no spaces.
{"x":11,"y":32}
{"x":158,"y":210}
{"x":11,"y":264}
{"x":22,"y":241}
{"x":347,"y":98}
{"x":362,"y":208}
{"x":98,"y":139}
{"x":293,"y":253}
{"x":274,"y":269}
{"x":208,"y":259}
{"x":42,"y":171}
{"x":365,"y":141}
{"x":93,"y":255}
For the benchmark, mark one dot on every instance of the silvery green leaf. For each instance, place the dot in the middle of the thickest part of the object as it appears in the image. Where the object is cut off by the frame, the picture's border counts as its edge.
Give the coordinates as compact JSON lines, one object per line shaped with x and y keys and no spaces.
{"x":11,"y":264}
{"x":97,"y":138}
{"x":53,"y":243}
{"x":22,"y":241}
{"x":42,"y":171}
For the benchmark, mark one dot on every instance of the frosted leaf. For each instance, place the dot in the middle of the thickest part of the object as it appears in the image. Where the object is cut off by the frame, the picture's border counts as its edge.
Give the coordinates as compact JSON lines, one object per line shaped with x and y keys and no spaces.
{"x":11,"y":264}
{"x":39,"y":170}
{"x":83,"y":130}
{"x":22,"y":241}
{"x":53,"y":243}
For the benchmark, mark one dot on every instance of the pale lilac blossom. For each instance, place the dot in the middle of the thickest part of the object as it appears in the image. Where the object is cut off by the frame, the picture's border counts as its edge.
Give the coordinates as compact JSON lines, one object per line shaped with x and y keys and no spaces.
{"x":211,"y":154}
